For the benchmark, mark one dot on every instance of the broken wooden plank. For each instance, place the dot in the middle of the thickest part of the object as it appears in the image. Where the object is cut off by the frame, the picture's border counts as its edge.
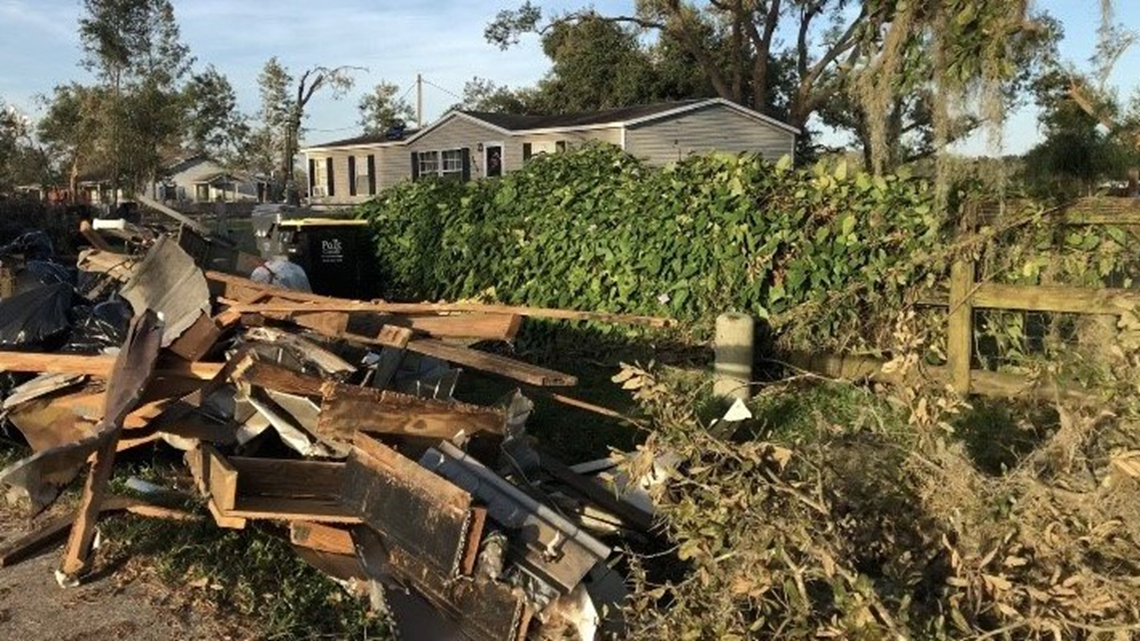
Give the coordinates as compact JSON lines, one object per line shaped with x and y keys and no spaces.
{"x":57,"y":529}
{"x":485,"y":610}
{"x":492,"y":363}
{"x":333,"y":320}
{"x":198,"y":462}
{"x":312,"y":303}
{"x":275,"y":377}
{"x":287,"y":478}
{"x":221,"y":478}
{"x":236,"y":287}
{"x":408,"y":504}
{"x":97,"y":366}
{"x":346,"y":409}
{"x":198,"y":340}
{"x":323,"y":537}
{"x":130,"y":374}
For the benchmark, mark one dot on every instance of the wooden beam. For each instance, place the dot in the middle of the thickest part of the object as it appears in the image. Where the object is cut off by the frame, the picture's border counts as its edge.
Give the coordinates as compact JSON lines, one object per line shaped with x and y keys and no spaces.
{"x":1102,"y":211}
{"x":97,"y":366}
{"x":333,"y":320}
{"x":150,"y":203}
{"x":492,"y":363}
{"x":982,"y":382}
{"x":1057,"y":299}
{"x":228,"y":282}
{"x":57,"y":529}
{"x":319,"y":536}
{"x":277,"y":378}
{"x":347,"y":409}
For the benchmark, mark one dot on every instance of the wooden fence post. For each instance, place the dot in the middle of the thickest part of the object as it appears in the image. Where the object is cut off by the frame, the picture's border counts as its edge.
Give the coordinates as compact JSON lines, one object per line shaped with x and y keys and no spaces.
{"x":960,"y":332}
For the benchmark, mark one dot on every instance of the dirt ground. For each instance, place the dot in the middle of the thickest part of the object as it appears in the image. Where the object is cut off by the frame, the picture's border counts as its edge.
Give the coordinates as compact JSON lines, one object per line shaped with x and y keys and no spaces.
{"x":120,"y":601}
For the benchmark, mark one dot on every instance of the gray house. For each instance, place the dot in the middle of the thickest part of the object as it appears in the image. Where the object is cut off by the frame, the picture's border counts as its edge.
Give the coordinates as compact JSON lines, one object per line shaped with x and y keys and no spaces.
{"x":197,"y":180}
{"x":470,"y":144}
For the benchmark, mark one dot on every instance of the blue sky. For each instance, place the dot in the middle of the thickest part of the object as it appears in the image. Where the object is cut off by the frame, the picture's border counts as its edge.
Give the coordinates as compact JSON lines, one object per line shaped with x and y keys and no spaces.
{"x":394,"y":40}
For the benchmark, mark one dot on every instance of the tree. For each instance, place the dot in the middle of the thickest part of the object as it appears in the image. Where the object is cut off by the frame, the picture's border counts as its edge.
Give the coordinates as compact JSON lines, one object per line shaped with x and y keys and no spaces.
{"x":1078,"y":152}
{"x":597,"y":64}
{"x":21,"y":160}
{"x":874,"y":52}
{"x":214,"y":125}
{"x":480,"y":94}
{"x":283,"y":105}
{"x":1090,"y":135}
{"x":383,"y":109}
{"x":71,"y":127}
{"x":135,"y":47}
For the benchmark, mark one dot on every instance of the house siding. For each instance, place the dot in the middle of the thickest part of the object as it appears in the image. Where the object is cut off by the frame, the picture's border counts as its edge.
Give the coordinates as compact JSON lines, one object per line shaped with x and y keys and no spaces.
{"x":460,"y":133}
{"x":611,"y":135}
{"x":341,"y":176}
{"x":714,"y":128}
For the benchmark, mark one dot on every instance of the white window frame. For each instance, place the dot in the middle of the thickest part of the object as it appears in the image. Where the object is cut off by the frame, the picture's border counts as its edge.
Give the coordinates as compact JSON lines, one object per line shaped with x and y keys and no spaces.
{"x":457,"y":170}
{"x":502,"y":160}
{"x":440,"y":171}
{"x":420,"y":162}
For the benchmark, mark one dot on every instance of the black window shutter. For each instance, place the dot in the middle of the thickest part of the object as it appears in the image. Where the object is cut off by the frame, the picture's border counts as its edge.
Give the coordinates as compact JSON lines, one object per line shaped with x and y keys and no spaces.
{"x":371,"y":175}
{"x":415,"y":165}
{"x":352,"y":175}
{"x":528,"y":151}
{"x":312,"y":175}
{"x":329,"y":176}
{"x":466,"y":164}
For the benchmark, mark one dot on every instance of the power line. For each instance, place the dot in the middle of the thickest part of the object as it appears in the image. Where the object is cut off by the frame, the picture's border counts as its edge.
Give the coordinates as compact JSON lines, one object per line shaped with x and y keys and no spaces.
{"x":446,"y":91}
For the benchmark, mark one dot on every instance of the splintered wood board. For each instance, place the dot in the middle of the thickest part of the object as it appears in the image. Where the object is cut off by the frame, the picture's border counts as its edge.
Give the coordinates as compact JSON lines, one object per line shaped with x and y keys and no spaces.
{"x":347,"y":409}
{"x":409,"y":504}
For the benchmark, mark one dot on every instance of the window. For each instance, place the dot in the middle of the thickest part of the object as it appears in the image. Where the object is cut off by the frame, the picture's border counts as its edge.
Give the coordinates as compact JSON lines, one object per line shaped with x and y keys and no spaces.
{"x":202,"y":193}
{"x":452,"y":164}
{"x":362,"y":181}
{"x":449,"y":164}
{"x":429,"y":163}
{"x":318,"y":180}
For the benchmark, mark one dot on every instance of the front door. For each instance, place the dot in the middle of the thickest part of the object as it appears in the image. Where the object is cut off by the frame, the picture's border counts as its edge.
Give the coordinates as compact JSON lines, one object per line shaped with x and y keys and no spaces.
{"x":494,"y":161}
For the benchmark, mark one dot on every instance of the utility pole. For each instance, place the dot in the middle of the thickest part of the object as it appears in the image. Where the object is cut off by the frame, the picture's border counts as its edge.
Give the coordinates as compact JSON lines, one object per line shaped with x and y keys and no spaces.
{"x":419,"y":101}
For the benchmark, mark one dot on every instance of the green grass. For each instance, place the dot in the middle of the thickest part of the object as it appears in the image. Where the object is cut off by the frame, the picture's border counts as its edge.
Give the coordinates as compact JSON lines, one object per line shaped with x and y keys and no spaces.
{"x":252,"y":573}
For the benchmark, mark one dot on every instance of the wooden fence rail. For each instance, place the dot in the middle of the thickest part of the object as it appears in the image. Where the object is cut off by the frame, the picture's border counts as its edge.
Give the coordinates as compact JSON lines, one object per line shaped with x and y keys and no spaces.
{"x":967,"y":295}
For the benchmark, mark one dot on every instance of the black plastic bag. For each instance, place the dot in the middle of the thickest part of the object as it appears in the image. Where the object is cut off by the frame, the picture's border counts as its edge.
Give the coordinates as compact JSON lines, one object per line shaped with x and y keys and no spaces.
{"x":36,"y":318}
{"x":34,"y":245}
{"x":100,"y":326}
{"x":43,"y":272}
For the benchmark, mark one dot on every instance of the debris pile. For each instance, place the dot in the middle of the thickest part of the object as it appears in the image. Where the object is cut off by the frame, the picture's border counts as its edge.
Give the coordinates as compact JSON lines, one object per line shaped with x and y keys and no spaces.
{"x":334,"y":418}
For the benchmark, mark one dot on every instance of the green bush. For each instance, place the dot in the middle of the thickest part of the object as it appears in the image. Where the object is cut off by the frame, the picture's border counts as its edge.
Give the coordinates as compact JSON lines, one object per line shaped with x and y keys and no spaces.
{"x":596,"y":229}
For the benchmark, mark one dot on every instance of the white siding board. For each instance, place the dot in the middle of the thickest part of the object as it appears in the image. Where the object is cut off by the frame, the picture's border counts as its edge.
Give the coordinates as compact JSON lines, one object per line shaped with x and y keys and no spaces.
{"x":714,"y":128}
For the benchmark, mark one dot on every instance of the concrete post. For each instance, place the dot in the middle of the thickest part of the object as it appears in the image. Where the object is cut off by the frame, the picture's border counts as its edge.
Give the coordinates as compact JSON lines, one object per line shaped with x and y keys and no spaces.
{"x":734,"y":351}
